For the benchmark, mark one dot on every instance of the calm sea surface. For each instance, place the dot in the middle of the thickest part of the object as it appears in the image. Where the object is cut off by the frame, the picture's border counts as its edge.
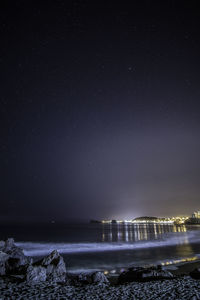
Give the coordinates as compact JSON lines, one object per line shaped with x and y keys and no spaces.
{"x":107,"y":247}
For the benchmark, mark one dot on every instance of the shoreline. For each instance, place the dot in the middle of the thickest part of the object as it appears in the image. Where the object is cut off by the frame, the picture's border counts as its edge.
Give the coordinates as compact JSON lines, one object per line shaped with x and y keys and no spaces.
{"x":182,"y":286}
{"x":184,"y":268}
{"x":49,"y":279}
{"x":179,"y":266}
{"x":179,"y":269}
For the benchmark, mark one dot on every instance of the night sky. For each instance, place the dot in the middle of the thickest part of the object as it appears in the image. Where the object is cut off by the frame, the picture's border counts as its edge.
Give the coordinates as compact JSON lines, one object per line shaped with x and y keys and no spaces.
{"x":99,"y":109}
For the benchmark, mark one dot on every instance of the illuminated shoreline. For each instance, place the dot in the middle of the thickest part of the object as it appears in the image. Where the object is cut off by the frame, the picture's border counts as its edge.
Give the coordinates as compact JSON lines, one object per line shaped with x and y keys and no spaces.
{"x":172,"y":221}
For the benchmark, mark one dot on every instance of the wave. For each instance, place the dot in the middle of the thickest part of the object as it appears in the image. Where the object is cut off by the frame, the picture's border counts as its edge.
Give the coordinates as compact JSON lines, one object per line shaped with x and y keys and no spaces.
{"x":40,"y":249}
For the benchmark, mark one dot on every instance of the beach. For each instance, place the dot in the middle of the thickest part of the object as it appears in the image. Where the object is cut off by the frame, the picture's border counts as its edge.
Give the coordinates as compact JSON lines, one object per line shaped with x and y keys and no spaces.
{"x":179,"y":288}
{"x":182,"y":286}
{"x":51,"y":276}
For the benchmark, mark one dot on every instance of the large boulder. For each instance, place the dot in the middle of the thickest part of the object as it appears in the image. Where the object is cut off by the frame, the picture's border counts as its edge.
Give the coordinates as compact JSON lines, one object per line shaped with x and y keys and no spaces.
{"x":13,"y":261}
{"x":99,"y":278}
{"x":92,"y":278}
{"x":195,"y":273}
{"x":15,"y":256}
{"x":55,"y":267}
{"x":35,"y":274}
{"x":3,"y":261}
{"x":144,"y":274}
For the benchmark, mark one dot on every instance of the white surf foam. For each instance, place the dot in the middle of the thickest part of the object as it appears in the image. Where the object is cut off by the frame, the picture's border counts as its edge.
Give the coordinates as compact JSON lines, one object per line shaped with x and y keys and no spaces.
{"x":40,"y":249}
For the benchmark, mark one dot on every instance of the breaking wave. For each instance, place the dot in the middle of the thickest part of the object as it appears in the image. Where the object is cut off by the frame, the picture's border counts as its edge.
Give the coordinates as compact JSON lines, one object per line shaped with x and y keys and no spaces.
{"x":43,"y":248}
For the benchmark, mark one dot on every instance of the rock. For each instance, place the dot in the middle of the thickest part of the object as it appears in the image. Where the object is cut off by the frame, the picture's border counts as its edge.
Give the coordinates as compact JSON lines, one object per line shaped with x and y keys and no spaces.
{"x":15,"y":256}
{"x":55,"y":267}
{"x":9,"y":244}
{"x":14,"y":262}
{"x":92,"y":278}
{"x":84,"y":278}
{"x":16,"y":259}
{"x":36,"y":274}
{"x":3,"y":260}
{"x":195,"y":273}
{"x":144,"y":274}
{"x":53,"y":257}
{"x":2,"y":245}
{"x":99,"y":278}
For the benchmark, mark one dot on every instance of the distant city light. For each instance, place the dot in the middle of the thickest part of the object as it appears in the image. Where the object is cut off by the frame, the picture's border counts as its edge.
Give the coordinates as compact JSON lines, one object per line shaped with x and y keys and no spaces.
{"x":170,"y":220}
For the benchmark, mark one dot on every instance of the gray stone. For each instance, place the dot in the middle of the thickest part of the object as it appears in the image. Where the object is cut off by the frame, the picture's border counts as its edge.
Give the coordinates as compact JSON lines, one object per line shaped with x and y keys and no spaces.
{"x":3,"y":260}
{"x":84,"y":278}
{"x":36,"y":274}
{"x":92,"y":278}
{"x":2,"y":245}
{"x":9,"y":244}
{"x":99,"y":277}
{"x":15,"y":256}
{"x":55,"y":267}
{"x":144,"y":274}
{"x":16,"y":259}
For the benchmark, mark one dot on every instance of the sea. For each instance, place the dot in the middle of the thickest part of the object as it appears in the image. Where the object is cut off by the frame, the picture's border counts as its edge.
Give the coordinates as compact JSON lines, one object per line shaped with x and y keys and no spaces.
{"x":108,"y":247}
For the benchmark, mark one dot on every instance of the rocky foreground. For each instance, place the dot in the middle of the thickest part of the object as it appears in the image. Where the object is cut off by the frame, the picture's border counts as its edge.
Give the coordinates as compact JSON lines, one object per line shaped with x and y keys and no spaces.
{"x":21,"y":278}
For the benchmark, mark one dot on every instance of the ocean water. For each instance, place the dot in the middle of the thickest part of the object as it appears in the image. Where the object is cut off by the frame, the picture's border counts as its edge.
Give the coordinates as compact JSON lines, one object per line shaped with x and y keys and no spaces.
{"x":110,"y":246}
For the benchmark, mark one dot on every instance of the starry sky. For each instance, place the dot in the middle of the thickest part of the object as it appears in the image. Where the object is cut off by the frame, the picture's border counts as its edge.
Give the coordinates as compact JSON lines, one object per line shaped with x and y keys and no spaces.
{"x":99,"y":109}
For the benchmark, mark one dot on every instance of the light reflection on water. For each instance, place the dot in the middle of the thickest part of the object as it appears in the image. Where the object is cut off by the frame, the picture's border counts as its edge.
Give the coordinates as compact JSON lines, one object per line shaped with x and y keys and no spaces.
{"x":111,"y":246}
{"x":137,"y":232}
